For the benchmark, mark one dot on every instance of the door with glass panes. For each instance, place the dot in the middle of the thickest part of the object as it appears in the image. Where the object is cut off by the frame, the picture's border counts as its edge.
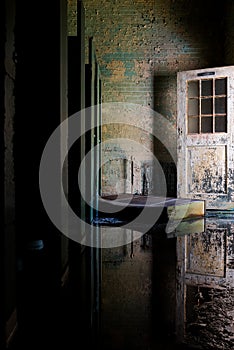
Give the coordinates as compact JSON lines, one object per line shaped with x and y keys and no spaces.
{"x":205,"y":142}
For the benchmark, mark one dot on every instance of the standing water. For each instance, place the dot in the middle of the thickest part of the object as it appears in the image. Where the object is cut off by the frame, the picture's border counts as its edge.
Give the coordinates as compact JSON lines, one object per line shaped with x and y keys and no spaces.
{"x":171,"y":291}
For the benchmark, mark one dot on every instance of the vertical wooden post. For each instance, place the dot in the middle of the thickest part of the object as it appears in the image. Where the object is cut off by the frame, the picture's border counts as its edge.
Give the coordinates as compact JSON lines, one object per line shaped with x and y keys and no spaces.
{"x":2,"y":199}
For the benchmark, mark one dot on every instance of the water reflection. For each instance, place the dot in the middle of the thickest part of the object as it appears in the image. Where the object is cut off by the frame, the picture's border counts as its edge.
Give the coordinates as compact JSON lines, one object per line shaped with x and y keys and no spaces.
{"x":205,"y":285}
{"x":171,"y":290}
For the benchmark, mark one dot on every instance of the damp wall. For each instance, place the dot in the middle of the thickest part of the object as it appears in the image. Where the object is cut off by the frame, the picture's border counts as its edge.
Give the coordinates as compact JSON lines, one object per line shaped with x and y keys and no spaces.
{"x":140,"y":47}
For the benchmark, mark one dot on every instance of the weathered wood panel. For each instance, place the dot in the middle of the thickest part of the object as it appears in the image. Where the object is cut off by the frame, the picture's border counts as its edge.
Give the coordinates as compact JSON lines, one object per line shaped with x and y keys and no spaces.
{"x":205,"y":129}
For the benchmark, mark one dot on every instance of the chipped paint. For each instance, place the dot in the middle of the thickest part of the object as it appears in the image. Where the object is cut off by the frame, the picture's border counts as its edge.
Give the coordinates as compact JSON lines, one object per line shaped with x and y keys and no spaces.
{"x":203,"y":246}
{"x":206,"y":169}
{"x":206,"y":159}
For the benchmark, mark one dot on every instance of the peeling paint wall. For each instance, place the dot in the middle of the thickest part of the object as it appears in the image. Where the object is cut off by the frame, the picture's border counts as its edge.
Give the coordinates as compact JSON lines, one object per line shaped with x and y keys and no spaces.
{"x":141,"y":45}
{"x":206,"y":169}
{"x":138,"y":40}
{"x":126,"y":162}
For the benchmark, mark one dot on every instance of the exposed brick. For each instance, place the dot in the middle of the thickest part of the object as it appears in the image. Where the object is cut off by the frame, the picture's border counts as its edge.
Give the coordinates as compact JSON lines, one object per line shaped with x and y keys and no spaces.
{"x":141,"y":45}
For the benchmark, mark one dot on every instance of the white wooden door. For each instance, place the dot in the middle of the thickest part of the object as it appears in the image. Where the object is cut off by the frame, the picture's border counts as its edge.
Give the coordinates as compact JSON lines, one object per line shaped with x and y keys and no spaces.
{"x":205,"y":143}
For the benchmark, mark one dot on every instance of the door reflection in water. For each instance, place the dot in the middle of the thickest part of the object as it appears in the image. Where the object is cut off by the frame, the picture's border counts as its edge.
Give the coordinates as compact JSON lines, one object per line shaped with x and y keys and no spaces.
{"x":171,"y":291}
{"x":205,"y":286}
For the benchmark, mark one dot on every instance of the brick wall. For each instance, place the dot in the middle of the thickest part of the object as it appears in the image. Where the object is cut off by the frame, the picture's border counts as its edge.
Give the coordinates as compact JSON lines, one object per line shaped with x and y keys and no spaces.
{"x":138,"y":40}
{"x":141,"y":45}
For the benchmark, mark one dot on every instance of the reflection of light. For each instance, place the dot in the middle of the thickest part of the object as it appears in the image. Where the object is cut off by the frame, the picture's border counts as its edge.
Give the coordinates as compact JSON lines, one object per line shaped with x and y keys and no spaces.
{"x":205,"y":281}
{"x":35,"y":245}
{"x":199,"y":297}
{"x":188,"y":226}
{"x":131,"y":254}
{"x":118,"y":236}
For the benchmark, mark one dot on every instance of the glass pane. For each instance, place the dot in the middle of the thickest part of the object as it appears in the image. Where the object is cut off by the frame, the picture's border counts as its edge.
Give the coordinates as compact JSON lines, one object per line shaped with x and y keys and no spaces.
{"x":220,"y":105}
{"x":207,"y":87}
{"x":193,"y":88}
{"x":207,"y":106}
{"x":193,"y":125}
{"x":207,"y":124}
{"x":221,"y":86}
{"x":220,"y":124}
{"x":193,"y":107}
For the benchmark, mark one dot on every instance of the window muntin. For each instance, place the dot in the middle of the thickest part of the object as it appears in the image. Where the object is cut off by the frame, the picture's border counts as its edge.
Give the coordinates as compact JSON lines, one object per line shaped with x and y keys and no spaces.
{"x":207,"y":106}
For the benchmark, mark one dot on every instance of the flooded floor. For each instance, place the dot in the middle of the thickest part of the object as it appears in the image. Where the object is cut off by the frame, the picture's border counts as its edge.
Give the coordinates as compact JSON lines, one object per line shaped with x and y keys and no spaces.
{"x":171,"y":291}
{"x":161,"y":290}
{"x":138,"y":294}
